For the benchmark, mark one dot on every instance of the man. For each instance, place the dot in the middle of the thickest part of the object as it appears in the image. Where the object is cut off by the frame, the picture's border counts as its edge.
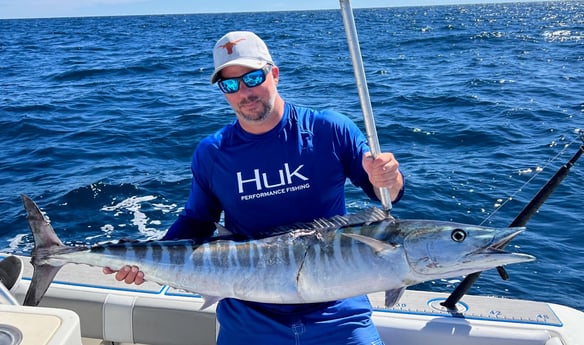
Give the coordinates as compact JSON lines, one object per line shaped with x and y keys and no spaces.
{"x":277,"y":164}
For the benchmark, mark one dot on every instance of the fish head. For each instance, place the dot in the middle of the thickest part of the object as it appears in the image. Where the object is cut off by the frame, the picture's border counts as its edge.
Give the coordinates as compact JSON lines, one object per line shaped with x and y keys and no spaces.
{"x":444,"y":249}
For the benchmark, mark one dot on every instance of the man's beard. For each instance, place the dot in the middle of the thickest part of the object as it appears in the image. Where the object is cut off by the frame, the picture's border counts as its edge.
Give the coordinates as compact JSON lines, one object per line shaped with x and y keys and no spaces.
{"x":264,"y":108}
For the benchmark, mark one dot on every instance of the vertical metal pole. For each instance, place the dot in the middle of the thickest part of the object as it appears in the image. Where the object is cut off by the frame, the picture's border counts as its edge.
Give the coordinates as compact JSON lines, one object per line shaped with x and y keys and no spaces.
{"x":355,"y":50}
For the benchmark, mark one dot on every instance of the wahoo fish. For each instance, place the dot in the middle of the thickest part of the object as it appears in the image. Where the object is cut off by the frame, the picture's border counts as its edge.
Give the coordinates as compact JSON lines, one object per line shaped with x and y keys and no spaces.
{"x":319,"y":261}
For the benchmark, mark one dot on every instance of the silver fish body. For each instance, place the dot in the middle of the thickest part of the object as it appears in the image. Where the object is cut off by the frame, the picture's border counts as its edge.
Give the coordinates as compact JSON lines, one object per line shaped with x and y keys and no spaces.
{"x":325,"y":260}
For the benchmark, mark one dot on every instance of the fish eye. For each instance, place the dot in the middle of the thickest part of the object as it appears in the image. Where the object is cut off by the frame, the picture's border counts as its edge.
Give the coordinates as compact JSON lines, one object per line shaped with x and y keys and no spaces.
{"x":458,"y":235}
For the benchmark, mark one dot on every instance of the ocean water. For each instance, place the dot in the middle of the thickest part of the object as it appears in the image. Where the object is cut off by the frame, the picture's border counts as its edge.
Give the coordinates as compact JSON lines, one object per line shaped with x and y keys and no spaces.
{"x":481,"y":104}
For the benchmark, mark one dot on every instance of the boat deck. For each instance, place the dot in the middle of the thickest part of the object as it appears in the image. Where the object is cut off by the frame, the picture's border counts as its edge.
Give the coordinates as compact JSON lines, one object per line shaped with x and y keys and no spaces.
{"x":153,"y":314}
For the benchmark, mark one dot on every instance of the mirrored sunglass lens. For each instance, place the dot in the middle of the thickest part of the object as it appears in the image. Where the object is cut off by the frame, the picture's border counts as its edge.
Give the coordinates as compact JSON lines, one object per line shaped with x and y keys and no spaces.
{"x":254,"y":78}
{"x":229,"y":85}
{"x":251,"y":79}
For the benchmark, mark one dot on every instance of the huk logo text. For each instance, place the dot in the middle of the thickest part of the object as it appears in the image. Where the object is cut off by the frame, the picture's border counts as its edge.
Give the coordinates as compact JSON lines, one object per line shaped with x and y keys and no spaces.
{"x":261,"y":181}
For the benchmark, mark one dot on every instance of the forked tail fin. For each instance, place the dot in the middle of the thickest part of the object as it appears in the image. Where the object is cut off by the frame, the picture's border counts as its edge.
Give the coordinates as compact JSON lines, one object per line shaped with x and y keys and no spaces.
{"x":46,"y":241}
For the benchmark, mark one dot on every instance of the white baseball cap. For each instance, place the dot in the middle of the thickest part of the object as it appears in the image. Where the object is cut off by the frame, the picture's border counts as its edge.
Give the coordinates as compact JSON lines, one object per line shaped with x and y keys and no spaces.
{"x":239,"y":48}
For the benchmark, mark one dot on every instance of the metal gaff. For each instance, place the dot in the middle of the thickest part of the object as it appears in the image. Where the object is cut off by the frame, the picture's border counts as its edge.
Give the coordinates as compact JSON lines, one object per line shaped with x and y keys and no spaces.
{"x":355,"y":50}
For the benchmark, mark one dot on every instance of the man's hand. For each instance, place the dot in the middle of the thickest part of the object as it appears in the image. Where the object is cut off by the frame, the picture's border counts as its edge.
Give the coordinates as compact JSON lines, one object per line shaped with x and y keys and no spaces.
{"x":383,"y":172}
{"x":128,"y":274}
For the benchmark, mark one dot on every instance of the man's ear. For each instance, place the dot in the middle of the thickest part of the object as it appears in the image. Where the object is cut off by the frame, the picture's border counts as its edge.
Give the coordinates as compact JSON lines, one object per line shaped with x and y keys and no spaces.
{"x":275,"y":73}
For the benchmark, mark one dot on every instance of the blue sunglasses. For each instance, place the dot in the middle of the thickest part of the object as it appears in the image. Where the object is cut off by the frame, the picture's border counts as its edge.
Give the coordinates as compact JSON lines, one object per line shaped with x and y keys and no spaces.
{"x":250,"y":79}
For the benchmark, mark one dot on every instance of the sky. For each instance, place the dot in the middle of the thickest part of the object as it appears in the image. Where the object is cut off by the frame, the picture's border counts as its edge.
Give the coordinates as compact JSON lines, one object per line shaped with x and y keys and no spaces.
{"x":81,"y":8}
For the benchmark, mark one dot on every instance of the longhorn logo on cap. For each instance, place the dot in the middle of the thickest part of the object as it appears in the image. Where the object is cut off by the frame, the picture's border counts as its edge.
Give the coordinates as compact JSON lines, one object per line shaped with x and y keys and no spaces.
{"x":229,"y":45}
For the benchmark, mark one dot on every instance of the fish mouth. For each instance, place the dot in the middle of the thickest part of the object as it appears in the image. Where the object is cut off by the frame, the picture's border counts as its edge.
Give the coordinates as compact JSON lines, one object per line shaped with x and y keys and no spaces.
{"x":506,"y":237}
{"x":501,"y":241}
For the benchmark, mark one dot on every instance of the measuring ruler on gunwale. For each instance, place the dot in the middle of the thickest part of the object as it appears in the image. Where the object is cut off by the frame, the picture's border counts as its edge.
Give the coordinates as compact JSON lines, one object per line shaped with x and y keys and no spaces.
{"x":471,"y":307}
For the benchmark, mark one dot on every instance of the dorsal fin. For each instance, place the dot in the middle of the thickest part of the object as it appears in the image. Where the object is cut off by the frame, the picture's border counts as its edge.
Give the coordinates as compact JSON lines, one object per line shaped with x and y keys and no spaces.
{"x":369,"y":215}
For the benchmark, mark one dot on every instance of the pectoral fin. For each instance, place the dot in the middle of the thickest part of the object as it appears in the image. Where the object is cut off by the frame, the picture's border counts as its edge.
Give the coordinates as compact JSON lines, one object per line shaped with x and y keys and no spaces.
{"x":378,"y":246}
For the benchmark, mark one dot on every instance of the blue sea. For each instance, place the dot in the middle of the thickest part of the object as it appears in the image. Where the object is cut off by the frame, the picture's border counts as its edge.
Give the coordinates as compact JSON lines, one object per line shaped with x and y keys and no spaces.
{"x":481,"y":104}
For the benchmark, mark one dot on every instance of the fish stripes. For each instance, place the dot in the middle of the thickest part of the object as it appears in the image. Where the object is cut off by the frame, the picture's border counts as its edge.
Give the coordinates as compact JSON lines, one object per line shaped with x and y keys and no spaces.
{"x":325,"y":260}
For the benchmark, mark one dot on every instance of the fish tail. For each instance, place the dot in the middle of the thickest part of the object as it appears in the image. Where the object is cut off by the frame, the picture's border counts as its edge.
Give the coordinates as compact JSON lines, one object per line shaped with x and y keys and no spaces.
{"x":46,"y":243}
